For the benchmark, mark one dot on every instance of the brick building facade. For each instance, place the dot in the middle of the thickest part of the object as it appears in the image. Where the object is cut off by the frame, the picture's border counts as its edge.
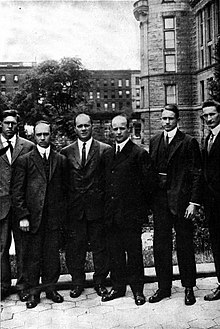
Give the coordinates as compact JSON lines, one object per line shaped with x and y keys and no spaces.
{"x":177,"y":39}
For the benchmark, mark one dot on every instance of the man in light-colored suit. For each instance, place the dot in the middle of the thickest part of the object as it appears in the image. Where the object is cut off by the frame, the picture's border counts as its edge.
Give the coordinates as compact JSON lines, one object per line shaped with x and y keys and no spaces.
{"x":86,"y":205}
{"x":39,"y":201}
{"x":177,"y":159}
{"x":11,"y":147}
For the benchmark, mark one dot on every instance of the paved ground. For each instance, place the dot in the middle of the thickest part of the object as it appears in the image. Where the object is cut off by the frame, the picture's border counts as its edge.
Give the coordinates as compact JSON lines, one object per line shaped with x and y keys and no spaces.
{"x":88,"y":312}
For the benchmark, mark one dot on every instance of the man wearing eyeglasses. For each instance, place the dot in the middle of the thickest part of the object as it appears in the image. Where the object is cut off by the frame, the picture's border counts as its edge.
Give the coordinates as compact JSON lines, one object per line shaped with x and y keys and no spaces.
{"x":11,"y":148}
{"x":211,"y":160}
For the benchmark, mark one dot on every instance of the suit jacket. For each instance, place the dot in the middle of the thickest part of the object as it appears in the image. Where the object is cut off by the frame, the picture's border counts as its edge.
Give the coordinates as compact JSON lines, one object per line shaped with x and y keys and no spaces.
{"x":22,"y":146}
{"x":184,"y":171}
{"x":85,"y":183}
{"x":211,"y":165}
{"x":130,"y":181}
{"x":31,"y":190}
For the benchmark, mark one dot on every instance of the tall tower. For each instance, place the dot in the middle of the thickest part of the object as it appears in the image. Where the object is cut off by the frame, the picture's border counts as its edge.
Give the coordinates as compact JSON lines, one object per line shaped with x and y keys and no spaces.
{"x":166,"y":28}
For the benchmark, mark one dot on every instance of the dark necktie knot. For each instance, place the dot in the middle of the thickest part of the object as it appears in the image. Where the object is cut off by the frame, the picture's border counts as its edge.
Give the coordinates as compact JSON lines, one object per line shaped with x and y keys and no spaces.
{"x":210,"y":141}
{"x":118,"y":149}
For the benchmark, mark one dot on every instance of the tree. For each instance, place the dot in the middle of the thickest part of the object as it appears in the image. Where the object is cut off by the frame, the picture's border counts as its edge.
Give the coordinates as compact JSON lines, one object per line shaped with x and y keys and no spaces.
{"x":54,"y":90}
{"x":214,"y":85}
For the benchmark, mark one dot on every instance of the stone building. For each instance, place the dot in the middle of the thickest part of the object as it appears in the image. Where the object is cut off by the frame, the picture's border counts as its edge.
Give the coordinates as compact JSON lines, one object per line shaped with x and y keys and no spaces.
{"x":12,"y":75}
{"x":177,"y":39}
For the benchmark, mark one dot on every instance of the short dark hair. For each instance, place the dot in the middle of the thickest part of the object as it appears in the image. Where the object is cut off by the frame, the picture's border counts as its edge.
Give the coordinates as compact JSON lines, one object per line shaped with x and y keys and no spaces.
{"x":74,"y":120}
{"x":43,"y":121}
{"x":173,"y":108}
{"x":124,"y":116}
{"x":211,"y":102}
{"x":10,"y":113}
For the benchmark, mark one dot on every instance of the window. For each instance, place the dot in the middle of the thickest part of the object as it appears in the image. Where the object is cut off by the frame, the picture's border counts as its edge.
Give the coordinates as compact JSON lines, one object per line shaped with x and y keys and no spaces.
{"x":169,"y":33}
{"x":120,"y":93}
{"x":105,"y":82}
{"x":98,"y":94}
{"x":127,"y":93}
{"x":97,"y":83}
{"x":210,"y":55}
{"x":98,"y":105}
{"x":120,"y":105}
{"x":15,"y":78}
{"x":16,"y":89}
{"x":112,"y":82}
{"x":138,"y":105}
{"x":170,"y":63}
{"x":143,"y":97}
{"x":218,"y":16}
{"x":106,"y":106}
{"x":3,"y":78}
{"x":137,"y":92}
{"x":201,"y":22}
{"x":202,"y":63}
{"x":105,"y":94}
{"x":137,"y":81}
{"x":170,"y":94}
{"x":3,"y":91}
{"x":127,"y":82}
{"x":169,"y":44}
{"x":113,"y":94}
{"x":113,"y":106}
{"x":90,"y":95}
{"x":120,"y":82}
{"x":209,"y":21}
{"x":202,"y":91}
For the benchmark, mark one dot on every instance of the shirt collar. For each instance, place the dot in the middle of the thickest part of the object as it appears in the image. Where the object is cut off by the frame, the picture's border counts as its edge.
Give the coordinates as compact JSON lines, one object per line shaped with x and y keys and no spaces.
{"x":216,"y":130}
{"x":12,"y":140}
{"x":171,"y":133}
{"x":122,"y":145}
{"x":42,"y":150}
{"x":88,"y":143}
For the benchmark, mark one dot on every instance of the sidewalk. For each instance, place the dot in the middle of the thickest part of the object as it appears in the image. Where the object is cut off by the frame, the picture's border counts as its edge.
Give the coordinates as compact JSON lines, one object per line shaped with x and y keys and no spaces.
{"x":88,"y":312}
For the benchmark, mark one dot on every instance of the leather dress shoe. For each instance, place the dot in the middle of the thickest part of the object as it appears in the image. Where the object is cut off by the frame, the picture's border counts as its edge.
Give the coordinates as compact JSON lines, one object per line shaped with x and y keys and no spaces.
{"x":215,"y":295}
{"x":54,"y":296}
{"x":139,"y":298}
{"x":76,"y":292}
{"x":113,"y":294}
{"x":159,"y":295}
{"x":189,"y":296}
{"x":33,"y":300}
{"x":23,"y":295}
{"x":101,"y":290}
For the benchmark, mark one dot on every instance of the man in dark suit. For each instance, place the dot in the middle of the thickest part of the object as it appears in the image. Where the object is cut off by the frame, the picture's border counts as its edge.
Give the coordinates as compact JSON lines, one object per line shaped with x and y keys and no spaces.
{"x":211,"y":160}
{"x":177,"y":160}
{"x":39,"y":200}
{"x":130,"y":181}
{"x":86,"y":205}
{"x":11,"y":147}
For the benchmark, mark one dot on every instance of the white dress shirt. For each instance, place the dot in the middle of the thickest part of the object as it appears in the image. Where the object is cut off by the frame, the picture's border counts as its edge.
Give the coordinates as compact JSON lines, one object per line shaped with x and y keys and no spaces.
{"x":121,"y":145}
{"x":170,"y":134}
{"x":215,"y":131}
{"x":42,"y":150}
{"x":88,"y":145}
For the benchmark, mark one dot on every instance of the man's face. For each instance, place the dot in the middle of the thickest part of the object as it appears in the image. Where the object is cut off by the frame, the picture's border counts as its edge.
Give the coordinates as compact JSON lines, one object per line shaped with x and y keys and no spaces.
{"x":83,"y":127}
{"x":119,"y":129}
{"x":211,"y":116}
{"x":169,"y":120}
{"x":42,"y":135}
{"x":9,"y":127}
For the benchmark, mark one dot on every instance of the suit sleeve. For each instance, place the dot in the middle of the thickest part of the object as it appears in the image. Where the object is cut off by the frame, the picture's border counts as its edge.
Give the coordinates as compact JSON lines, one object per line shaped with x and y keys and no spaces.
{"x":18,"y":189}
{"x":195,"y":171}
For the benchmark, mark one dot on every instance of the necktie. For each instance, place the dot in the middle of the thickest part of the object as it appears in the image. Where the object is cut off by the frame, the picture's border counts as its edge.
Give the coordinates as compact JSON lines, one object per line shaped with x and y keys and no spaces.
{"x":83,"y":162}
{"x":210,"y":142}
{"x":166,"y":141}
{"x":118,"y":149}
{"x":10,"y":147}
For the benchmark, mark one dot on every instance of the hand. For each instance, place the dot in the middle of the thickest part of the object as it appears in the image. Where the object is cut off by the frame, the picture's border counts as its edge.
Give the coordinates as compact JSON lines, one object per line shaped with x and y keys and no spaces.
{"x":190,"y":211}
{"x":24,"y":225}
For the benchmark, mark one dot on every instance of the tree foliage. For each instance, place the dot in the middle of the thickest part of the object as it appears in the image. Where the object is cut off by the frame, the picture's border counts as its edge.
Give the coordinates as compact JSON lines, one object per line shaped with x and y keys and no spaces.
{"x":54,"y":90}
{"x":214,"y":85}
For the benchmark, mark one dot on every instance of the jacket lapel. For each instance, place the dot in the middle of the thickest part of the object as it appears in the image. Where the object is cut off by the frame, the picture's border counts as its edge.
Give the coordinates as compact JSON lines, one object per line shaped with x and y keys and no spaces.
{"x":17,"y":149}
{"x":175,"y":143}
{"x":93,"y":149}
{"x":53,"y":163}
{"x":122,"y":156}
{"x":214,"y":145}
{"x":4,"y":156}
{"x":37,"y":159}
